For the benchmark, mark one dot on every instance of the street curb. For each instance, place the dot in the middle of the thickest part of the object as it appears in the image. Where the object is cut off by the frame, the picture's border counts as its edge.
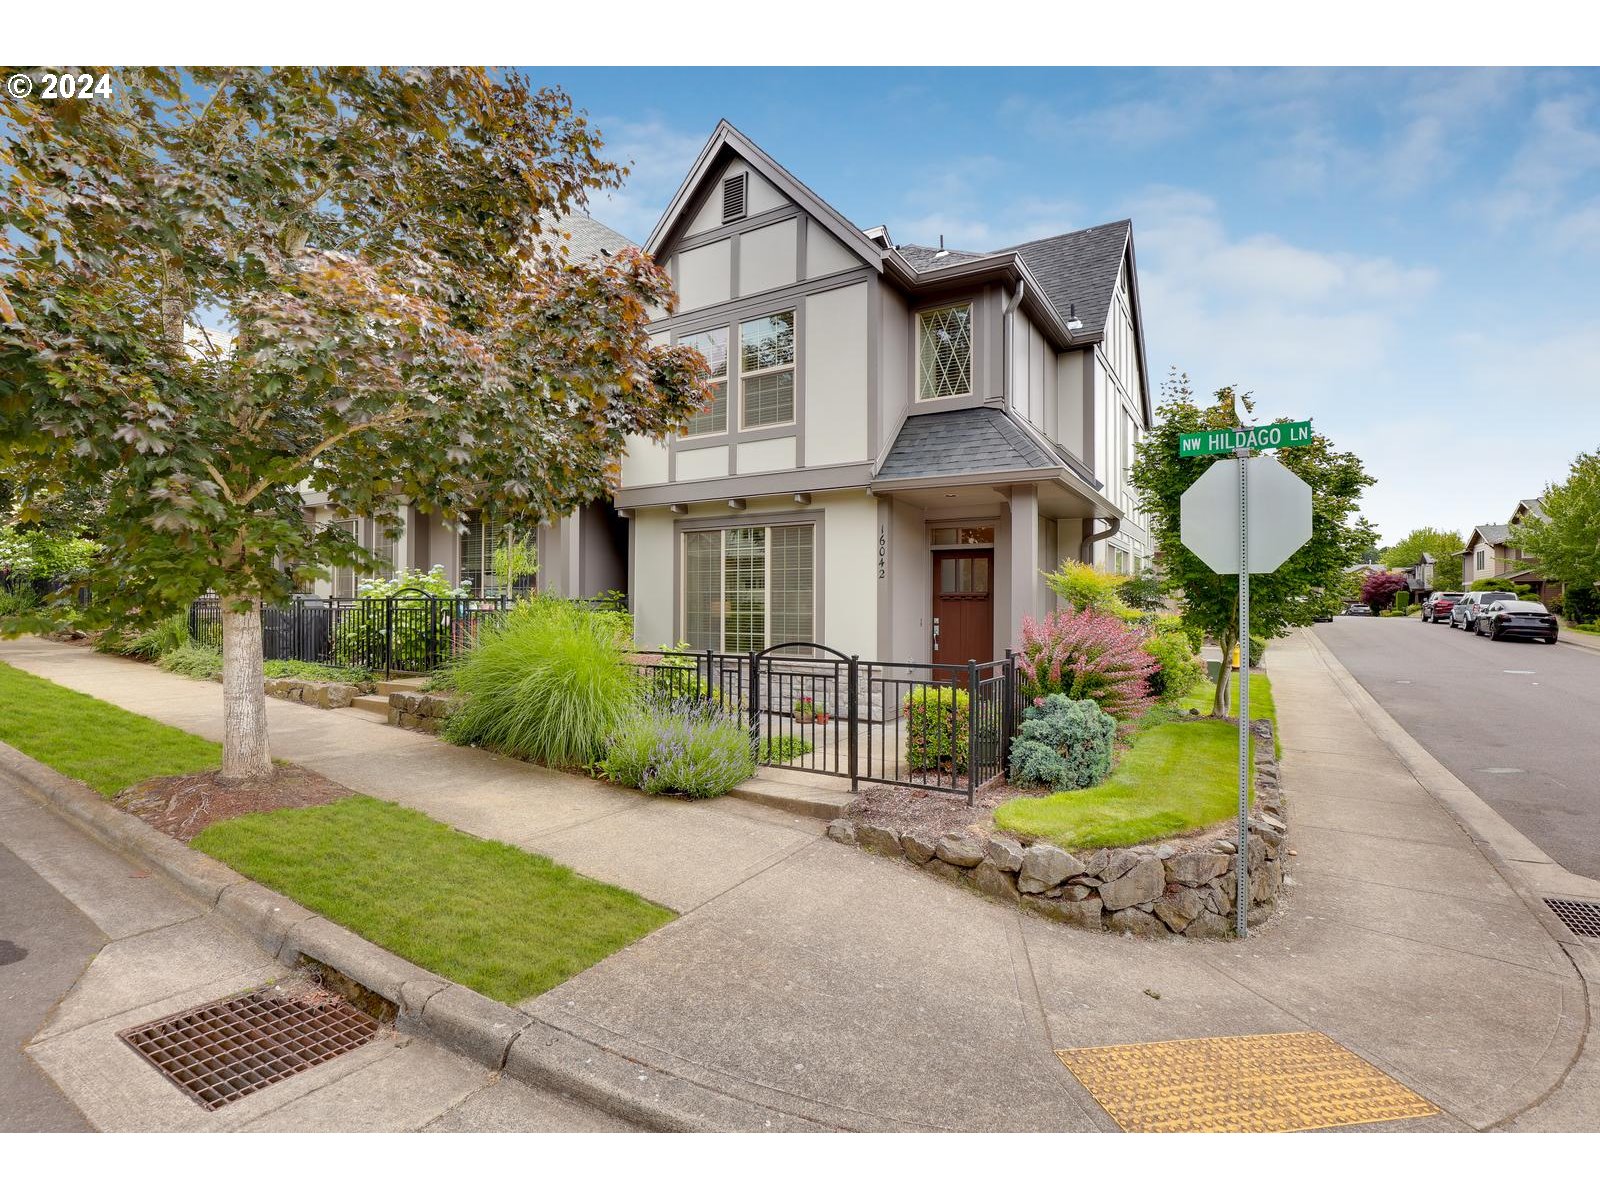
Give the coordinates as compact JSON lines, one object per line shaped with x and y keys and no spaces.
{"x":492,"y":1034}
{"x":1499,"y":842}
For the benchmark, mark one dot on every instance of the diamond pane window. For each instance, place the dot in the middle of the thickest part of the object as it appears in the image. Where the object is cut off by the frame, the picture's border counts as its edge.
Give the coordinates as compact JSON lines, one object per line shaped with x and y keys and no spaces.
{"x":944,"y":354}
{"x":713,"y":345}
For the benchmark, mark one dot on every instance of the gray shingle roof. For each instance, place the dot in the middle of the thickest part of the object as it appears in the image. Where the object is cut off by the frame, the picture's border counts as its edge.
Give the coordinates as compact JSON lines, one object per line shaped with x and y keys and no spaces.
{"x":589,"y":237}
{"x":1494,"y":535}
{"x":1079,"y":269}
{"x":963,"y":441}
{"x":927,"y":258}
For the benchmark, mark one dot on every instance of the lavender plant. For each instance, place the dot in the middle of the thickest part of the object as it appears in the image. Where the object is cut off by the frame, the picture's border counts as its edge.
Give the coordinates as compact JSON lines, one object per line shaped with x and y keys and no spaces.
{"x":683,"y":748}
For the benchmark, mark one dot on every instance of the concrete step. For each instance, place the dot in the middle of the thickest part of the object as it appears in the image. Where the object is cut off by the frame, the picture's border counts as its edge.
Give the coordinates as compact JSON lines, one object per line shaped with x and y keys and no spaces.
{"x":808,"y":796}
{"x":372,"y":704}
{"x":388,"y":687}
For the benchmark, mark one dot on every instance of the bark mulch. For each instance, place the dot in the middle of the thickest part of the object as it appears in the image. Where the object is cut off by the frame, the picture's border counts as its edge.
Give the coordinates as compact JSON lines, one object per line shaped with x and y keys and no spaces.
{"x":932,"y":814}
{"x":183,"y":805}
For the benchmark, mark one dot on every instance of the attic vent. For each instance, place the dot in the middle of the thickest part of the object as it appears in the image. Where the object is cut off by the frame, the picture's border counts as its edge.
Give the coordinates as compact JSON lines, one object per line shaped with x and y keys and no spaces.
{"x":733,"y":197}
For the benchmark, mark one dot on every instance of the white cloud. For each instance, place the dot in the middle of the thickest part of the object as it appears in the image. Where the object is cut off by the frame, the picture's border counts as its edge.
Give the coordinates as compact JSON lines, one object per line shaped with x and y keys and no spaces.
{"x":1561,"y":148}
{"x":1288,"y":316}
{"x":658,"y":157}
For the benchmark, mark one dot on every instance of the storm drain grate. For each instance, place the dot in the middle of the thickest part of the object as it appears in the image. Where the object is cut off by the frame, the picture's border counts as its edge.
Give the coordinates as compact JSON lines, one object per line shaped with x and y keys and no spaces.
{"x":223,"y":1051}
{"x":1580,"y":916}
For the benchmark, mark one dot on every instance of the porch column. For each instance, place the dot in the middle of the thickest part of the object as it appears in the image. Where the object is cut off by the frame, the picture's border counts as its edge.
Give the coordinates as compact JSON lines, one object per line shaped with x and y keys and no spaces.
{"x":1025,"y":563}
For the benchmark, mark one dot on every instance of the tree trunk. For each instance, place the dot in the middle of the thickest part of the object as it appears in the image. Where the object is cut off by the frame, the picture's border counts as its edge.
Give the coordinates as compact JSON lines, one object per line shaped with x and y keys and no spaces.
{"x":1219,"y":699}
{"x":244,"y":703}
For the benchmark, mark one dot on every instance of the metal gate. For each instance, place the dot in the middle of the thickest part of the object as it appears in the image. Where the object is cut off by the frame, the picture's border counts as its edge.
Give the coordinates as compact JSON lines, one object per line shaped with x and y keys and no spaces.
{"x":934,"y":726}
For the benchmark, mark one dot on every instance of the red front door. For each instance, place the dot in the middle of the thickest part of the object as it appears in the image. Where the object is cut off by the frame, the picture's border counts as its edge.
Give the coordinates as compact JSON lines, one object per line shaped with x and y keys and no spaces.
{"x":963,"y":605}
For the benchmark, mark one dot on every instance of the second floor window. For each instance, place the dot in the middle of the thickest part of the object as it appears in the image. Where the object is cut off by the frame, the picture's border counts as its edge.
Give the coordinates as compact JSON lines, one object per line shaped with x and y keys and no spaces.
{"x":766,"y":371}
{"x":1479,"y":561}
{"x":713,"y":344}
{"x":944,"y":352}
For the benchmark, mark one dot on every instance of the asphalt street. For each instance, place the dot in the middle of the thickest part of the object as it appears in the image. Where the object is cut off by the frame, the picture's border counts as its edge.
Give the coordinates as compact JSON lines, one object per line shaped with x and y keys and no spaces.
{"x":45,"y":943}
{"x":1516,"y":721}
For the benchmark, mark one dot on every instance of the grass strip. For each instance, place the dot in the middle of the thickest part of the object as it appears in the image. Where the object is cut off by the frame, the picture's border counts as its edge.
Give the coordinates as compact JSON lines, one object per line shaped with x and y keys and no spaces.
{"x":497,"y":919}
{"x":106,"y":747}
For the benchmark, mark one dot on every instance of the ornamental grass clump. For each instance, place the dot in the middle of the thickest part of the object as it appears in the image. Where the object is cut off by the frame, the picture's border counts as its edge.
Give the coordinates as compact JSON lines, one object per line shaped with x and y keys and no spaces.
{"x":1087,"y":656}
{"x":1062,"y":744}
{"x":548,"y":683}
{"x":683,"y":749}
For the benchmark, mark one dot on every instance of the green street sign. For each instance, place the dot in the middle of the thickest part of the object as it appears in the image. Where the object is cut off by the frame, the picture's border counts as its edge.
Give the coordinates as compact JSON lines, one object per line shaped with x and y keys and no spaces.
{"x":1226,"y":441}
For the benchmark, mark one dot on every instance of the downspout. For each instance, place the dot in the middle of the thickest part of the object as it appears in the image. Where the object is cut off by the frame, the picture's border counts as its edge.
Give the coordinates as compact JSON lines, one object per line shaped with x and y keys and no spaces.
{"x":1086,"y":550}
{"x":1008,"y":317}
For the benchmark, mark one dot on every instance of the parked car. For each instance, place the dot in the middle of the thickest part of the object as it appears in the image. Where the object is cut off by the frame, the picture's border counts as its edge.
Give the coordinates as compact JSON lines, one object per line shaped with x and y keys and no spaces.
{"x":1437,"y":606}
{"x":1518,"y":618}
{"x":1358,"y":610}
{"x":1470,"y":607}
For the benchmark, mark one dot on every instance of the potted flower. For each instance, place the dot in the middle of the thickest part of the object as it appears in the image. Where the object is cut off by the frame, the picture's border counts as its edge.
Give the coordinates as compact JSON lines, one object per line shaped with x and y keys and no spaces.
{"x":807,"y":710}
{"x":822,"y":718}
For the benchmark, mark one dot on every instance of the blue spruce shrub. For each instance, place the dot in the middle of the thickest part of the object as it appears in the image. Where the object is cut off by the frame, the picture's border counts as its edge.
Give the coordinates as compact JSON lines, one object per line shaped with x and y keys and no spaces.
{"x":1063,"y":743}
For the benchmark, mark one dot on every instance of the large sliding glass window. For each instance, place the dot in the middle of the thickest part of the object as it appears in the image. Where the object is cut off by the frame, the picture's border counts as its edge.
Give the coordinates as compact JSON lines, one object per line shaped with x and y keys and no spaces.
{"x":749,"y":587}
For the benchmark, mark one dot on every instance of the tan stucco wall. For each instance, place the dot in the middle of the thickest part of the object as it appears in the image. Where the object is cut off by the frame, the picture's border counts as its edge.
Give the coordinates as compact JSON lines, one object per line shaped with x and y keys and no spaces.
{"x":836,"y":367}
{"x":704,"y":275}
{"x":768,"y":257}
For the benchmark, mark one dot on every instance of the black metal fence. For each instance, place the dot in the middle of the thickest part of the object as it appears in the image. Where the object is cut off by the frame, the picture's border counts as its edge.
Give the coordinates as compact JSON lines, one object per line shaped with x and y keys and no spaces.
{"x":812,"y":709}
{"x":408,"y":633}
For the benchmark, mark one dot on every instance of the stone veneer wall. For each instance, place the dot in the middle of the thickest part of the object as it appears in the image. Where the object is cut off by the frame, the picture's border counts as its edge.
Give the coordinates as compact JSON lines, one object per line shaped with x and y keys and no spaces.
{"x":419,"y":710}
{"x":1182,"y":886}
{"x":318,"y":693}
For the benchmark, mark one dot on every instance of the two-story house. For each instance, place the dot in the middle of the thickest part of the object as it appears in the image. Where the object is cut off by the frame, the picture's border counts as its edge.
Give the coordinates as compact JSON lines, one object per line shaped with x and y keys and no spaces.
{"x":903,"y":437}
{"x":1491,"y":554}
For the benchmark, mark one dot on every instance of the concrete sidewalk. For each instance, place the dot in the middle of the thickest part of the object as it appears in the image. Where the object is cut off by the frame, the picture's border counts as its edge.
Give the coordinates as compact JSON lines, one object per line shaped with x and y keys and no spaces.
{"x":864,"y":994}
{"x":156,"y":951}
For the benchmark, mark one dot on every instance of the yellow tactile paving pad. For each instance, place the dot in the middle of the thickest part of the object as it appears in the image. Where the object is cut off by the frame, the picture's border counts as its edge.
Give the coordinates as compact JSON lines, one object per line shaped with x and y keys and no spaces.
{"x":1263,"y":1083}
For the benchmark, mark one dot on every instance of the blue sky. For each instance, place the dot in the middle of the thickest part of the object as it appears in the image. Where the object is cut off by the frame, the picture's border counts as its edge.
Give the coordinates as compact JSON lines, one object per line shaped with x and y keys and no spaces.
{"x":1406,"y":257}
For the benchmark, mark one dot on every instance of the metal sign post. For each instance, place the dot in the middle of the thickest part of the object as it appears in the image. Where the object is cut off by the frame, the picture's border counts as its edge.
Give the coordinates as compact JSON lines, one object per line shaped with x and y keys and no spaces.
{"x":1259,"y":543}
{"x":1242,"y":903}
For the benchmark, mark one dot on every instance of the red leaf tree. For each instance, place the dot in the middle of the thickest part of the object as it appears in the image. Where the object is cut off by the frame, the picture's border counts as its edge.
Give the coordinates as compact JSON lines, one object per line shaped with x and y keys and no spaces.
{"x":1378,"y":589}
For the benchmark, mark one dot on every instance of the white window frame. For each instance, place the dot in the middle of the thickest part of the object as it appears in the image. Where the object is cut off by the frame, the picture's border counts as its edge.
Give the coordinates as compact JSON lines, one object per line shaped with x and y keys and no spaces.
{"x":792,"y":366}
{"x":972,"y":367}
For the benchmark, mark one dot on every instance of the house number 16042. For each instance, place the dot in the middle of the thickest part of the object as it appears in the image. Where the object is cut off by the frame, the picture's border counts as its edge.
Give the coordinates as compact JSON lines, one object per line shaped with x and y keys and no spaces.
{"x":883,"y":550}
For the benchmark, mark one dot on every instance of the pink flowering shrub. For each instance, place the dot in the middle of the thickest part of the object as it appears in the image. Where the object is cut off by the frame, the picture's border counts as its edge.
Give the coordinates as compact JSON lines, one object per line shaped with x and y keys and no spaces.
{"x":1087,"y":655}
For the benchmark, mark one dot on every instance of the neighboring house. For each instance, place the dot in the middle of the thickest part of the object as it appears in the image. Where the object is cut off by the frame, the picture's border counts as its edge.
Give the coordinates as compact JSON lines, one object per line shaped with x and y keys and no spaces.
{"x":583,"y":554}
{"x":1419,"y":575}
{"x":903,"y":438}
{"x":1489,"y":554}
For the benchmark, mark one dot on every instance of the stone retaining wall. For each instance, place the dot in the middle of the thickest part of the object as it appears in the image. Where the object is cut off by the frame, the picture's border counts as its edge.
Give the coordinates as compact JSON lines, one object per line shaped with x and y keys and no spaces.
{"x":1183,"y":886}
{"x":318,"y":693}
{"x":420,"y":711}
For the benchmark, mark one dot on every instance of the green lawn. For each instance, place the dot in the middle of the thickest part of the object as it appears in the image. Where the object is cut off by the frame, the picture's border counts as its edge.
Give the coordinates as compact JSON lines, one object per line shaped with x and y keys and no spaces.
{"x":1261,"y":704}
{"x":1177,"y":775}
{"x":107,"y":747}
{"x":501,"y":921}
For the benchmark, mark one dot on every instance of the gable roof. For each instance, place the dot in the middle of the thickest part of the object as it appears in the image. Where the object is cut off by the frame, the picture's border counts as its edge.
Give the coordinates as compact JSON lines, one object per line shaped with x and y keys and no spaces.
{"x":1079,"y":270}
{"x":724,"y":141}
{"x":963,"y":441}
{"x":1492,"y":535}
